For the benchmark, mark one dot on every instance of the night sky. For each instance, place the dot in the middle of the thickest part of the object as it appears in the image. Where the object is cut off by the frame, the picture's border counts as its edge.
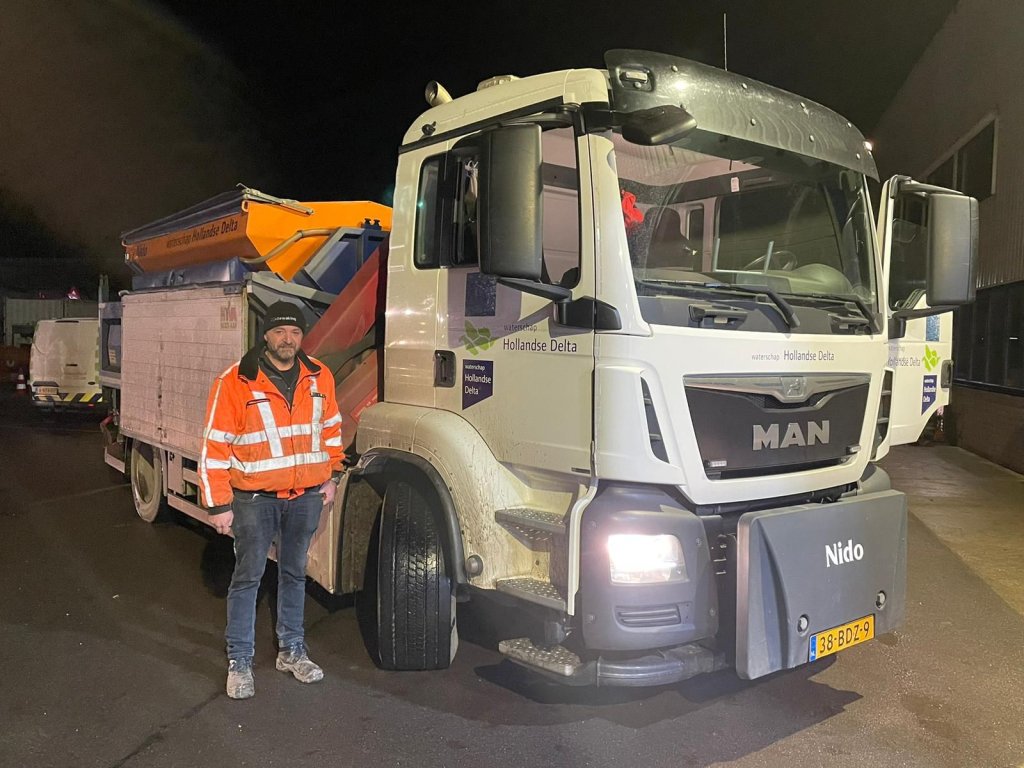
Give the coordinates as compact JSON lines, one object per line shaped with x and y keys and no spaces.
{"x":114,"y":112}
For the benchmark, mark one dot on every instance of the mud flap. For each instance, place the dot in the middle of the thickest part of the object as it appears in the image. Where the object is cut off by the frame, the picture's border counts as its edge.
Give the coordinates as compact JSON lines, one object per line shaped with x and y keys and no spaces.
{"x":825,"y":562}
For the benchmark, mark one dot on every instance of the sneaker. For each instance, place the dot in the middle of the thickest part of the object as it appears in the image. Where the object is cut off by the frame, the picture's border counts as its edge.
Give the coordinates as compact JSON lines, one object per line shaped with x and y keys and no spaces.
{"x":241,"y":684}
{"x":296,"y":661}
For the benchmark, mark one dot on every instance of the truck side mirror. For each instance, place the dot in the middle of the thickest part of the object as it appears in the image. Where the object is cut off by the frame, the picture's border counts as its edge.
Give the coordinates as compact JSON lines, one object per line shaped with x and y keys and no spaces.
{"x":952,"y":249}
{"x":510,"y":208}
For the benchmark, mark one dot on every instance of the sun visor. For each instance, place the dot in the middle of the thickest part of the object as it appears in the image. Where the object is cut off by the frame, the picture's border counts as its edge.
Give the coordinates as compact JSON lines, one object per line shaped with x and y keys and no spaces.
{"x":732,"y":105}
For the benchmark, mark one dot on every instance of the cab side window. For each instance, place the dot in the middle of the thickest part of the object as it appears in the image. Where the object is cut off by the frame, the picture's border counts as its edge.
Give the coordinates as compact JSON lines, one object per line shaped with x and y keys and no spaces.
{"x":908,"y":271}
{"x":446,"y":217}
{"x":446,"y":222}
{"x":561,"y":193}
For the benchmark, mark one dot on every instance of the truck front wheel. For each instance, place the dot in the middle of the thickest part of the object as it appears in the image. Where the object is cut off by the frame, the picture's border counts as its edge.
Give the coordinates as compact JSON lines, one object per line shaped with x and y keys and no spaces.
{"x":147,"y":478}
{"x":415,"y":601}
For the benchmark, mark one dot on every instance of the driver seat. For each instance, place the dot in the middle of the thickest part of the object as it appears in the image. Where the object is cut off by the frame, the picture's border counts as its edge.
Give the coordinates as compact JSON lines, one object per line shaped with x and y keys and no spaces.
{"x":668,"y":247}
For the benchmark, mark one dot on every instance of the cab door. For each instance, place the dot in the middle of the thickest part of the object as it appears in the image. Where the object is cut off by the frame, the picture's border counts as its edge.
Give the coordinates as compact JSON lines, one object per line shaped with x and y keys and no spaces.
{"x":919,"y":368}
{"x":922,"y":373}
{"x":410,"y":328}
{"x":522,"y":380}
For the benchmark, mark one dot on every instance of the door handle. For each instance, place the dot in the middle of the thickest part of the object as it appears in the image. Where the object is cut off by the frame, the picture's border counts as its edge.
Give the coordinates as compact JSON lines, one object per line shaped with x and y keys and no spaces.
{"x":444,"y":368}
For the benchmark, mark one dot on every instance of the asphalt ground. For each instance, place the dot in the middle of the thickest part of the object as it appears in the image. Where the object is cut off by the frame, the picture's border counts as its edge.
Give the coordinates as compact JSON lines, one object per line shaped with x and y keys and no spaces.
{"x":111,"y":634}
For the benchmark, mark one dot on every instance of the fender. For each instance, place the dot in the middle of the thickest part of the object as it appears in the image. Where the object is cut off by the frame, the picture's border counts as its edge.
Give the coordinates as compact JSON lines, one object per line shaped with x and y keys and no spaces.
{"x":410,"y":467}
{"x":472,"y":481}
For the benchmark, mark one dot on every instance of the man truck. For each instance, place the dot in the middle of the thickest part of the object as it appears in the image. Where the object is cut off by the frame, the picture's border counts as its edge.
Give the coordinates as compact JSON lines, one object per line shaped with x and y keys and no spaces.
{"x":625,"y":354}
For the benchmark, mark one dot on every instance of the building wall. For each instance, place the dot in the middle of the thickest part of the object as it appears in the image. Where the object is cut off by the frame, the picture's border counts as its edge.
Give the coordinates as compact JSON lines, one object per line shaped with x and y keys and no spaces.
{"x":990,"y":424}
{"x":973,"y":67}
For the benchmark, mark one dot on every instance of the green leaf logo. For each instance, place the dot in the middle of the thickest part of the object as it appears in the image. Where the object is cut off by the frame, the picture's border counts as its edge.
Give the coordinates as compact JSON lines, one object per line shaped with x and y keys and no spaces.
{"x":476,"y":339}
{"x":931,"y":358}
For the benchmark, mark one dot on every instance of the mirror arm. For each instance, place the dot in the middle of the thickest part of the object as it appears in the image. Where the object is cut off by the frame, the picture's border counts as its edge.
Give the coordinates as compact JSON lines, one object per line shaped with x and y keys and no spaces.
{"x":907,"y":186}
{"x":914,"y":314}
{"x":584,"y":312}
{"x":598,"y":117}
{"x":898,"y":321}
{"x":554,"y":293}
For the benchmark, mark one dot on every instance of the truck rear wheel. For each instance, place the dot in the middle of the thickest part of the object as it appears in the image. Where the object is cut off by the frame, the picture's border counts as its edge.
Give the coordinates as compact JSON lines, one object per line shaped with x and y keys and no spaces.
{"x":147,"y":478}
{"x":415,"y":601}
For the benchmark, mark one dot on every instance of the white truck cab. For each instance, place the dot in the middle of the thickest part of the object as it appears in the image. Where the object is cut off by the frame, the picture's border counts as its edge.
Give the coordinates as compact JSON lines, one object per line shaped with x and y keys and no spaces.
{"x":638,"y":339}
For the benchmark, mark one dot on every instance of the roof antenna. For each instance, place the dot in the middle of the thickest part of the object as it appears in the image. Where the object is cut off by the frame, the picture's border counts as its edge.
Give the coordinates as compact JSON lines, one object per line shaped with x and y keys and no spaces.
{"x":725,"y":40}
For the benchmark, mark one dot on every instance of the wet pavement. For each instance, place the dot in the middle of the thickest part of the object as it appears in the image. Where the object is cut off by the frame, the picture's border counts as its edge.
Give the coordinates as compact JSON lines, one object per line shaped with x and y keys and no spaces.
{"x":111,"y":631}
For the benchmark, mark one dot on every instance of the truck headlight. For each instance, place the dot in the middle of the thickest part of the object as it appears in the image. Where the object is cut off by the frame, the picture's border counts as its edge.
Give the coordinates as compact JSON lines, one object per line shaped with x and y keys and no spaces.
{"x":645,"y":559}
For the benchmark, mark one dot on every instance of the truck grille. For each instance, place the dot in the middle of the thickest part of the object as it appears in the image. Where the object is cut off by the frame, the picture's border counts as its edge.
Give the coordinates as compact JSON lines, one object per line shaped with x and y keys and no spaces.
{"x":755,"y":425}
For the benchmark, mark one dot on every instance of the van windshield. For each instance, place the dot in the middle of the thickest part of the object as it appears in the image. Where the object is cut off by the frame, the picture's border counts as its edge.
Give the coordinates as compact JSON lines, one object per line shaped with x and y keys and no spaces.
{"x":717,"y":211}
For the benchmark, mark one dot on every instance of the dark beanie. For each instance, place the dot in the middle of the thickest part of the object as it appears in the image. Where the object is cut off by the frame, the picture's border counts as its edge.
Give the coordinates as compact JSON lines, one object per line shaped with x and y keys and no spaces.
{"x":283,"y":313}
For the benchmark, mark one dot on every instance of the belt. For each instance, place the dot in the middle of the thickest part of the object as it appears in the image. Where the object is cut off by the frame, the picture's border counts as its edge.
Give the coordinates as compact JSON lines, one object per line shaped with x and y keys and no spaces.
{"x":292,"y":494}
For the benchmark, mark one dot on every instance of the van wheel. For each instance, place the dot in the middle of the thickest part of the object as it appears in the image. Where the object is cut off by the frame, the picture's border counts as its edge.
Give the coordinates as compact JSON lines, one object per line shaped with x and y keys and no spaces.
{"x":415,"y":600}
{"x":146,"y":474}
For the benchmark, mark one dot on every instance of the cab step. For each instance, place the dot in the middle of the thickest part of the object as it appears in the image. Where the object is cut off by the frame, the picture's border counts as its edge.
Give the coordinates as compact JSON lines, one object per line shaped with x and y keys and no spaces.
{"x":532,"y":523}
{"x":655,"y":667}
{"x":532,"y":591}
{"x":557,"y":659}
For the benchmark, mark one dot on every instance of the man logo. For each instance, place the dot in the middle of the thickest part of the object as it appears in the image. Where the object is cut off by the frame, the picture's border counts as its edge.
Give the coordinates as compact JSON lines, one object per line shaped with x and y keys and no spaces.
{"x":794,"y":388}
{"x":816,"y":432}
{"x":839,"y":553}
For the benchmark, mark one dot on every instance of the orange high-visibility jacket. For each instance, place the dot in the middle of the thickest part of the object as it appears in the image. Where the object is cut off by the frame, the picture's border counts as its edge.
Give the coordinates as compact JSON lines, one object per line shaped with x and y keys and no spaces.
{"x":254,"y":442}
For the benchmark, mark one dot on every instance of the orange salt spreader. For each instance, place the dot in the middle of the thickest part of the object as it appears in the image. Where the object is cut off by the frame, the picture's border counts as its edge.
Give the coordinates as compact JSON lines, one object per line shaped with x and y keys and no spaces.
{"x":263,"y":231}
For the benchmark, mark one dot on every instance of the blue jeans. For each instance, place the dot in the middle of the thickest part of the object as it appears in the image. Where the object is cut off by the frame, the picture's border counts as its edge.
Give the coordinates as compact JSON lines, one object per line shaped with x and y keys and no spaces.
{"x":258,"y":520}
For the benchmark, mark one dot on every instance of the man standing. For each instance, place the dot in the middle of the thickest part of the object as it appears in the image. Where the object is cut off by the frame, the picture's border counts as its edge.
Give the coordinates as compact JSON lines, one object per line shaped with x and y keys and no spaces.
{"x":272,"y":456}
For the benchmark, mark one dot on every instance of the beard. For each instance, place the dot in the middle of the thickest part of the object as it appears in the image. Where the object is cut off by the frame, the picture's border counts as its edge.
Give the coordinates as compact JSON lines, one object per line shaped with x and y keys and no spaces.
{"x":283,"y":353}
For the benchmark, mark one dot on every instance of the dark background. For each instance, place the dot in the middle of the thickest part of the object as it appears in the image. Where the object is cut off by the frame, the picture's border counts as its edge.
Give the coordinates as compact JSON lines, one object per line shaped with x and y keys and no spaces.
{"x":114,"y":113}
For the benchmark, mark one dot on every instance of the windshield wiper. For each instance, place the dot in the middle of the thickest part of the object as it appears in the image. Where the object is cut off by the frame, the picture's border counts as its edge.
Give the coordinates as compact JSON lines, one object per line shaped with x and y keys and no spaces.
{"x":686,"y":288}
{"x":784,"y":307}
{"x":690,"y":288}
{"x":848,"y":298}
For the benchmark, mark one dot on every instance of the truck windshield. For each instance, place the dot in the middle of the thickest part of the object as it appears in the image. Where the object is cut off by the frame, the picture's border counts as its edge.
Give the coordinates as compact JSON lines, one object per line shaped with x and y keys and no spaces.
{"x":711,"y":212}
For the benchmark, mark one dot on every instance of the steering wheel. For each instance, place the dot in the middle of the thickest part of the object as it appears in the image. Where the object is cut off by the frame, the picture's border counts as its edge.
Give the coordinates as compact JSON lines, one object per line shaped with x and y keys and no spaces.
{"x":787,"y":258}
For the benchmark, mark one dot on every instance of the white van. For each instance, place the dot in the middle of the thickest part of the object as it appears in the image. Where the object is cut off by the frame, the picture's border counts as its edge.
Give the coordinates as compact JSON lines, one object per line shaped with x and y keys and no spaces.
{"x":64,"y":364}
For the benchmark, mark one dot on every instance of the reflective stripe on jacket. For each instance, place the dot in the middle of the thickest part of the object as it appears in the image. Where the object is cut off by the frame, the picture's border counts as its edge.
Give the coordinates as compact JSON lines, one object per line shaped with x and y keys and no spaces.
{"x":254,"y":442}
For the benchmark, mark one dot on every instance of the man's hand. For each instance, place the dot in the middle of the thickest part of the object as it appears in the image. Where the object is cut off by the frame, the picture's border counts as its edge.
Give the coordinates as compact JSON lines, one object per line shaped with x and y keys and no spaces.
{"x":327,"y":490}
{"x":222,"y":522}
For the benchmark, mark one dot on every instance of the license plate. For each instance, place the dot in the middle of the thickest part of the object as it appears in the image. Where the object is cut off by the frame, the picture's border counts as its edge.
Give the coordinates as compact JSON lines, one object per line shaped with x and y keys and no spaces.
{"x":842,"y":637}
{"x":46,"y":390}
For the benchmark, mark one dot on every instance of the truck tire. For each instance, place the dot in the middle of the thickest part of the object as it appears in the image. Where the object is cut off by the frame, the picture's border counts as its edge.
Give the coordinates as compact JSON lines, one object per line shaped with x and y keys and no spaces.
{"x":146,"y":473}
{"x":415,"y":601}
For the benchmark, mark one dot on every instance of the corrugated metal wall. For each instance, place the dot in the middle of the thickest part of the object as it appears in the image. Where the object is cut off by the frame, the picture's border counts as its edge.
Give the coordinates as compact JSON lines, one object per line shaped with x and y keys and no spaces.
{"x":973,"y":67}
{"x":26,"y":312}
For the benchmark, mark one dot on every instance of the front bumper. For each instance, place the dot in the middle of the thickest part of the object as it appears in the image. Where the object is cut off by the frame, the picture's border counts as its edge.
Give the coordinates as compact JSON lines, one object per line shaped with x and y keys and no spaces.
{"x":810,"y":567}
{"x":799,"y":570}
{"x":663,"y":667}
{"x":643,"y":617}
